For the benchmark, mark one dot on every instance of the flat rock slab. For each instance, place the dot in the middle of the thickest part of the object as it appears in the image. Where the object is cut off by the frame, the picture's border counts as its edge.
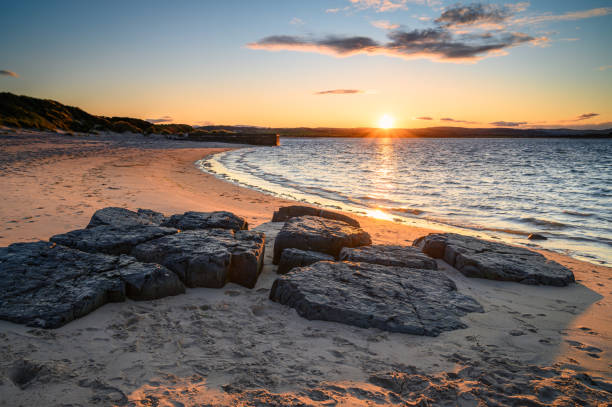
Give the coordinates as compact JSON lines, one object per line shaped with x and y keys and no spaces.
{"x":291,"y":258}
{"x":47,"y":285}
{"x":206,"y":220}
{"x":389,"y":255}
{"x":122,"y":217}
{"x":318,"y":234}
{"x":395,"y":299}
{"x":208,"y":258}
{"x":496,"y":261}
{"x":285,"y":213}
{"x":111,"y":239}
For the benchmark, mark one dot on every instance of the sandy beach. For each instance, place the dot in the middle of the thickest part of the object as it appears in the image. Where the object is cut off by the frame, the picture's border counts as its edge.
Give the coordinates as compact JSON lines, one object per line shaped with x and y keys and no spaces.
{"x":533,"y":345}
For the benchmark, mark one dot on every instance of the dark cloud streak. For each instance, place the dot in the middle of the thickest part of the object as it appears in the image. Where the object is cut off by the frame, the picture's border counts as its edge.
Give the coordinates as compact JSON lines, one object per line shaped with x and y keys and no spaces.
{"x":339,"y":92}
{"x":502,"y":123}
{"x":586,"y":116}
{"x":8,"y":73}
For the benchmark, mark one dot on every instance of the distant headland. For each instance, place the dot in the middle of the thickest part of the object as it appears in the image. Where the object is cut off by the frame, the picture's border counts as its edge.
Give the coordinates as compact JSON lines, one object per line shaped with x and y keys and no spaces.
{"x":44,"y":114}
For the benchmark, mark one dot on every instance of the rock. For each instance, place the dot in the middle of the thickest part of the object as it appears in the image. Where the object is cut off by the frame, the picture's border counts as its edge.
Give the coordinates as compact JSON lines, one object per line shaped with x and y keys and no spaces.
{"x":122,"y":217}
{"x":318,"y":234}
{"x":287,"y":212}
{"x":496,"y":261}
{"x":536,"y":236}
{"x":206,"y":220}
{"x":291,"y":258}
{"x":395,"y":299}
{"x":208,"y":257}
{"x":111,"y":239}
{"x":47,"y":285}
{"x":388,"y":255}
{"x":146,"y":281}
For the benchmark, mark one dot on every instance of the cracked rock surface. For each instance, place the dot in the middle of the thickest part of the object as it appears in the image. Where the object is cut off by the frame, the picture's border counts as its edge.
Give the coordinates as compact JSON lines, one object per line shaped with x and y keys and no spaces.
{"x":395,"y":299}
{"x":47,"y":285}
{"x":208,"y":258}
{"x":318,"y":234}
{"x":389,"y":255}
{"x":495,"y":261}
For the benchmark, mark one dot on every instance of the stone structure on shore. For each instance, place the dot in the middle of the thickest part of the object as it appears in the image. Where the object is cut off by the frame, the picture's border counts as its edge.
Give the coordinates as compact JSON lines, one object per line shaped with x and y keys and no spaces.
{"x":330,"y":270}
{"x":496,"y":261}
{"x":124,"y":254}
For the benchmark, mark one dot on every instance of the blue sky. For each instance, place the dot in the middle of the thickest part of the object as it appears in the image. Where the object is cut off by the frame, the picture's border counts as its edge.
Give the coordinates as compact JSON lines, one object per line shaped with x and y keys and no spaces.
{"x":274,"y":63}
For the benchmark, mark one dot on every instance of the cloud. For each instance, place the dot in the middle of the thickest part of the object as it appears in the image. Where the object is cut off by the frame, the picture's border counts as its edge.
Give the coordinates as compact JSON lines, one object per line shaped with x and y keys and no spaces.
{"x":475,"y":13}
{"x":296,"y":21}
{"x":339,"y":92}
{"x":384,"y":25}
{"x":8,"y":73}
{"x":442,"y":42}
{"x":332,"y":10}
{"x":604,"y":68}
{"x":586,"y":116}
{"x":507,"y":124}
{"x":424,"y":118}
{"x":432,"y":43}
{"x":569,"y":16}
{"x":380,"y":5}
{"x":451,"y":120}
{"x":163,"y":119}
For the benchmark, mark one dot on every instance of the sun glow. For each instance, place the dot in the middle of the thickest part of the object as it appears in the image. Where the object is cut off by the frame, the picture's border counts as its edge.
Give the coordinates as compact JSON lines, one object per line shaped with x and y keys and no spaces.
{"x":385,"y":122}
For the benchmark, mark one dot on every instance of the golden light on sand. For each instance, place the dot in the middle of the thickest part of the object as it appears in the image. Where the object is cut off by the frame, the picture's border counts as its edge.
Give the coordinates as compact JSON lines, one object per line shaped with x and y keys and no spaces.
{"x":386,"y":121}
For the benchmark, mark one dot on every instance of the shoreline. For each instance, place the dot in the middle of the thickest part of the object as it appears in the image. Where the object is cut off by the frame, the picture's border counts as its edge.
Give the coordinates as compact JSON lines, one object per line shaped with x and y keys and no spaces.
{"x":595,"y":253}
{"x":223,"y":344}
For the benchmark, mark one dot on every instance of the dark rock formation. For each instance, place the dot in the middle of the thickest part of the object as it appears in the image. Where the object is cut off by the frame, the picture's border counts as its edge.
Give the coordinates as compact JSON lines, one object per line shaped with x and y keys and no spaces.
{"x":536,"y":236}
{"x":396,"y":299}
{"x":496,"y":261}
{"x":388,"y":255}
{"x":146,"y":281}
{"x":291,"y":258}
{"x":111,"y":239}
{"x":287,"y":212}
{"x":122,"y":217}
{"x":208,"y":258}
{"x":318,"y":234}
{"x":206,"y":220}
{"x":47,"y":285}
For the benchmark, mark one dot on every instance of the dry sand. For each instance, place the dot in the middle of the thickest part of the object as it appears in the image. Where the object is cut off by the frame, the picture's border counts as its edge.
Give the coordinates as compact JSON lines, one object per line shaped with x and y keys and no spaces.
{"x":232,"y":346}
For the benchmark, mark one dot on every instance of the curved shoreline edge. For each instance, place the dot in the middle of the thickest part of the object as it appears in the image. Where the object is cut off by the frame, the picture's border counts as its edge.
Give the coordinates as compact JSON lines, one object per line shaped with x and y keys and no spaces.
{"x":212,"y":166}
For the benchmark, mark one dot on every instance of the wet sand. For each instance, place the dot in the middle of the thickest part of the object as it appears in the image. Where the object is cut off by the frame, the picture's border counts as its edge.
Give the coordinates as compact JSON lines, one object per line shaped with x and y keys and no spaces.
{"x":233,"y":346}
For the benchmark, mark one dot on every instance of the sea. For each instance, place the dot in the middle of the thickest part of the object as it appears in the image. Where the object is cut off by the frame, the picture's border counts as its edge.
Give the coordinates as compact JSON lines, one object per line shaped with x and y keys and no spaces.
{"x":496,"y":188}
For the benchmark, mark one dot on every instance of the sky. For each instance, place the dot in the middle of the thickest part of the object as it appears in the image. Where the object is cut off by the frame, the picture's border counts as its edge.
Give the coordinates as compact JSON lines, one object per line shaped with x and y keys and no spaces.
{"x":334,"y":63}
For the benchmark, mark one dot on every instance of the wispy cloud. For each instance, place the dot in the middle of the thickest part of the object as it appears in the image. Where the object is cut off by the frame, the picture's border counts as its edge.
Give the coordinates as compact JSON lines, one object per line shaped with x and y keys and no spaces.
{"x":380,"y":5}
{"x":604,"y":68}
{"x":339,"y":92}
{"x":424,"y":118}
{"x":507,"y":124}
{"x":384,"y":25}
{"x":443,"y":42}
{"x":163,"y":119}
{"x":8,"y":73}
{"x":296,"y":21}
{"x":475,"y":13}
{"x":432,"y":43}
{"x":451,"y":120}
{"x":586,"y":116}
{"x":568,"y":16}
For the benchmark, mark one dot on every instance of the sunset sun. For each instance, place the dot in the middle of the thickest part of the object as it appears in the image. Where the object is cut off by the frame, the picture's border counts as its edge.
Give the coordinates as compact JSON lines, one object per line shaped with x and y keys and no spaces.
{"x":385,"y":121}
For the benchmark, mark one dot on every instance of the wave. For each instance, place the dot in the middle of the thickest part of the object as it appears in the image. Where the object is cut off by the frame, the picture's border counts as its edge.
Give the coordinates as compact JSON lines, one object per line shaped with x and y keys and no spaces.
{"x":411,"y":211}
{"x":544,"y":223}
{"x":581,"y":214}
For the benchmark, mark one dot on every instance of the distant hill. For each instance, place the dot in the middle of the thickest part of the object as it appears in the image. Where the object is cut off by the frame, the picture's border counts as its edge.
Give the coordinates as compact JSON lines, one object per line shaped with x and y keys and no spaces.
{"x":44,"y":114}
{"x":428,"y":132}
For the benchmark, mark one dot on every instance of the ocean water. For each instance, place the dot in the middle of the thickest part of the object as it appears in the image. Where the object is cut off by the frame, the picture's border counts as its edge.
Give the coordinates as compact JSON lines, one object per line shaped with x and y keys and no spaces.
{"x":497,"y":188}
